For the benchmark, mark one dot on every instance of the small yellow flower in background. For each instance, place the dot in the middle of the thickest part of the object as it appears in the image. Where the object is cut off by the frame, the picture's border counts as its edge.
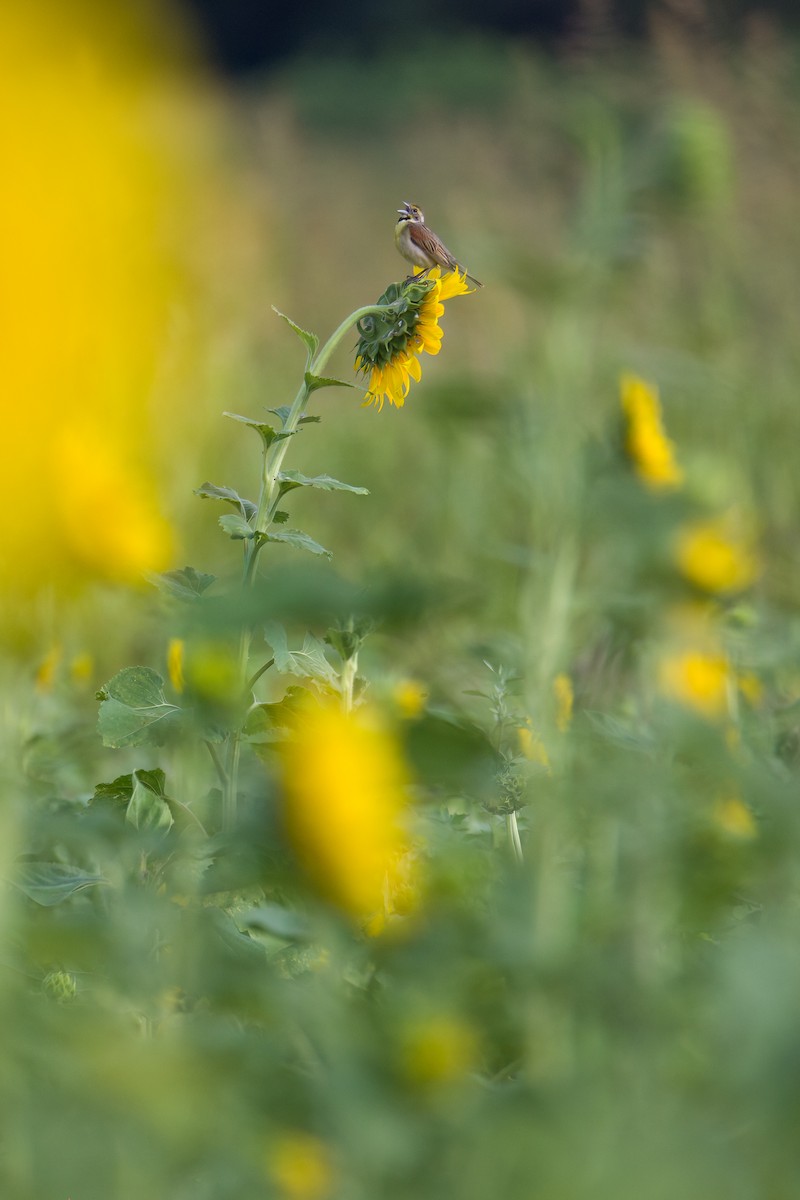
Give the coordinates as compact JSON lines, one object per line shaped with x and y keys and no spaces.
{"x":716,"y":555}
{"x":389,"y":350}
{"x":301,"y":1167}
{"x":733,"y":817}
{"x":532,"y":746}
{"x":697,"y":679}
{"x":211,"y":671}
{"x":175,"y":659}
{"x":81,"y":667}
{"x":439,"y":1051}
{"x":751,"y":688}
{"x":344,"y":800}
{"x":46,"y":671}
{"x":564,"y":698}
{"x":646,"y":442}
{"x":409,"y":696}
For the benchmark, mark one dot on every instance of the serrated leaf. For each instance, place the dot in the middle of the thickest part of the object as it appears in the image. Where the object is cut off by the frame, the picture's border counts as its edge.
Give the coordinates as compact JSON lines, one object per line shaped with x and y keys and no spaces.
{"x":309,"y":420}
{"x":236,"y":526}
{"x":210,"y":491}
{"x":265,"y":430}
{"x":298,"y":539}
{"x":49,"y":883}
{"x":280,"y":922}
{"x":308,"y":663}
{"x":313,"y":382}
{"x":148,"y":809}
{"x":134,"y":710}
{"x":294,"y":479}
{"x":186,"y":584}
{"x":280,"y":517}
{"x":309,"y":340}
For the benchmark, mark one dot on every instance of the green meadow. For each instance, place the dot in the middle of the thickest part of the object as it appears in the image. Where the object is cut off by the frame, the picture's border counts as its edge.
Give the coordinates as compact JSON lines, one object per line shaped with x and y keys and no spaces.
{"x":413,"y":812}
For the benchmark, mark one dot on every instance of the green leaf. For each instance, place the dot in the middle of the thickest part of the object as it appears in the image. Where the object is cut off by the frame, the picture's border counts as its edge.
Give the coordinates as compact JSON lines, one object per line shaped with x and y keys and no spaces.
{"x":280,"y":922}
{"x":280,"y":517}
{"x":294,"y":479}
{"x":298,"y":539}
{"x":271,"y":722}
{"x":309,"y":340}
{"x":267,"y":432}
{"x":236,"y":526}
{"x":134,"y":710}
{"x":120,"y":790}
{"x":210,"y":491}
{"x":308,"y":663}
{"x":49,"y":883}
{"x":148,"y":809}
{"x":186,"y":584}
{"x":313,"y":382}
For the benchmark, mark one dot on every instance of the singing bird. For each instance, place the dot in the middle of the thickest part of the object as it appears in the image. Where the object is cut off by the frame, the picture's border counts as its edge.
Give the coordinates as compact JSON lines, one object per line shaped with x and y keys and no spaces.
{"x":420,"y":245}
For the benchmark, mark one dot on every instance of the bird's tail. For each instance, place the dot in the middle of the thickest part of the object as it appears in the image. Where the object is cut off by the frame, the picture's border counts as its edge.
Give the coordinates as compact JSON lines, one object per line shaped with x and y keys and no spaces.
{"x":472,"y":279}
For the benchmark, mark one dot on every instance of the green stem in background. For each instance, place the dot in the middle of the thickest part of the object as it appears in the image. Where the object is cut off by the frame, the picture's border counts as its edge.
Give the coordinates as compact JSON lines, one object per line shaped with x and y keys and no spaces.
{"x":513,"y":837}
{"x":268,"y":500}
{"x":348,"y":677}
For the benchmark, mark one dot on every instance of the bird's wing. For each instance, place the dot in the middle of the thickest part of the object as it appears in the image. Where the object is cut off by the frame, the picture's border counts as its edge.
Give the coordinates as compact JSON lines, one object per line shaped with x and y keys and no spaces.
{"x":429,"y":244}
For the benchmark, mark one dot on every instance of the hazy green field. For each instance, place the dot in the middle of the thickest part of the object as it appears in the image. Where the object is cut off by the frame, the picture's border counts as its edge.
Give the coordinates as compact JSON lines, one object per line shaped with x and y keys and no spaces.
{"x":504,"y":900}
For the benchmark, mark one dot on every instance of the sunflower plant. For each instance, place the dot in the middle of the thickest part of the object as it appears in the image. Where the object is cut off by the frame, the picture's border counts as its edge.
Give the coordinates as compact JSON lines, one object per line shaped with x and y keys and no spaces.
{"x":211,"y":689}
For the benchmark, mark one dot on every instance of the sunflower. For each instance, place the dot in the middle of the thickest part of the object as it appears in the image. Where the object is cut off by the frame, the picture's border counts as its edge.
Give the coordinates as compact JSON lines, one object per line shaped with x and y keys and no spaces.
{"x":391,"y":343}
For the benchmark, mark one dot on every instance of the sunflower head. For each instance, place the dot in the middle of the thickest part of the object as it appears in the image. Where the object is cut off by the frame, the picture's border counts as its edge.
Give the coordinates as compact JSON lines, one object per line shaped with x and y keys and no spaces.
{"x":391,"y":341}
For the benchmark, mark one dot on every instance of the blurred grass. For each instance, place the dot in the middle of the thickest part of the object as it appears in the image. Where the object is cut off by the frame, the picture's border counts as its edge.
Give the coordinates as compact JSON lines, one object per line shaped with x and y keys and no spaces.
{"x":630,"y":995}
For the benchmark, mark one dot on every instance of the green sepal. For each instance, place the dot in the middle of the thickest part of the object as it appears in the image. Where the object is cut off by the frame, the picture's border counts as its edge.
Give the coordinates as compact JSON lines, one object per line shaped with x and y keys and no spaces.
{"x":266,"y":431}
{"x":236,"y":526}
{"x":185,"y":584}
{"x":134,"y":710}
{"x":50,"y":883}
{"x":309,"y":340}
{"x":298,"y":539}
{"x":211,"y":491}
{"x":308,"y":663}
{"x":314,"y":382}
{"x":287,"y":480}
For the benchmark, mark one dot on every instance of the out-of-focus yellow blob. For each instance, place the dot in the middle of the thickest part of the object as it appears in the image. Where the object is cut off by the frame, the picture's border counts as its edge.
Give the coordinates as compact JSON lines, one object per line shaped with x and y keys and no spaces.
{"x":344,"y":789}
{"x":85,"y":291}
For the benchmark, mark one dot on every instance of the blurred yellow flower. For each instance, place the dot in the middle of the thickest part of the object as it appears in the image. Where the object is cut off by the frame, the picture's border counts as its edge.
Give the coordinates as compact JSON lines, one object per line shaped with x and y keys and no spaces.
{"x":697,"y":679}
{"x":646,"y":442}
{"x":532,"y":746}
{"x":300,"y":1166}
{"x":564,"y":698}
{"x":716,"y":555}
{"x":438,"y":1051}
{"x":81,"y":667}
{"x":46,"y":671}
{"x":409,"y":696}
{"x":175,"y":659}
{"x":86,"y":290}
{"x":344,"y":799}
{"x":733,"y":817}
{"x":391,"y":380}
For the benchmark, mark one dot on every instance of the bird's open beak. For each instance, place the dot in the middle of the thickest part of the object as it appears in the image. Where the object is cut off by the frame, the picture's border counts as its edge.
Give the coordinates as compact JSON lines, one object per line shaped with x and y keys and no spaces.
{"x":404,"y":210}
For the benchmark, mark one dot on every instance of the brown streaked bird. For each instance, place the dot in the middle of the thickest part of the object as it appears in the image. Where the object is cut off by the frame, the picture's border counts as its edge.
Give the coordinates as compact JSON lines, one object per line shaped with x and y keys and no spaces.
{"x":420,"y":246}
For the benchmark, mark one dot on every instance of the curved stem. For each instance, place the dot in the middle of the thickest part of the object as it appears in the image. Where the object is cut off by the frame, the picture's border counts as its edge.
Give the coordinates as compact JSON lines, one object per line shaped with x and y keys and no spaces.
{"x":268,"y":499}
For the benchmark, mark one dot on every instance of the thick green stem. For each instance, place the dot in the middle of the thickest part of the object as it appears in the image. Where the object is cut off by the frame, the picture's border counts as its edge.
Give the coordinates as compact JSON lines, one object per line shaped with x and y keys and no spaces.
{"x":269,"y":497}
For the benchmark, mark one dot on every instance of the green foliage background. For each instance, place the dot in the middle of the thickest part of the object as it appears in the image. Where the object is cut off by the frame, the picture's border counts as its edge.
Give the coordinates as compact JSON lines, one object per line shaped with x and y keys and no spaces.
{"x":174,"y":1004}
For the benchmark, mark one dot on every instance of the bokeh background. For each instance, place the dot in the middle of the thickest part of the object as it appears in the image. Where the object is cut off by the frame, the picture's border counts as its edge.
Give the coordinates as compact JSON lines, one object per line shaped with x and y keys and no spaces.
{"x":618,"y":1017}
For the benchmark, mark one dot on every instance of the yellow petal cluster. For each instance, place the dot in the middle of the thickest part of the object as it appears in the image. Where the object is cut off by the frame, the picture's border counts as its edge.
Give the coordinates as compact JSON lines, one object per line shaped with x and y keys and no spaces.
{"x":393,"y":381}
{"x":344,"y":802}
{"x":646,"y":442}
{"x":716,"y":555}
